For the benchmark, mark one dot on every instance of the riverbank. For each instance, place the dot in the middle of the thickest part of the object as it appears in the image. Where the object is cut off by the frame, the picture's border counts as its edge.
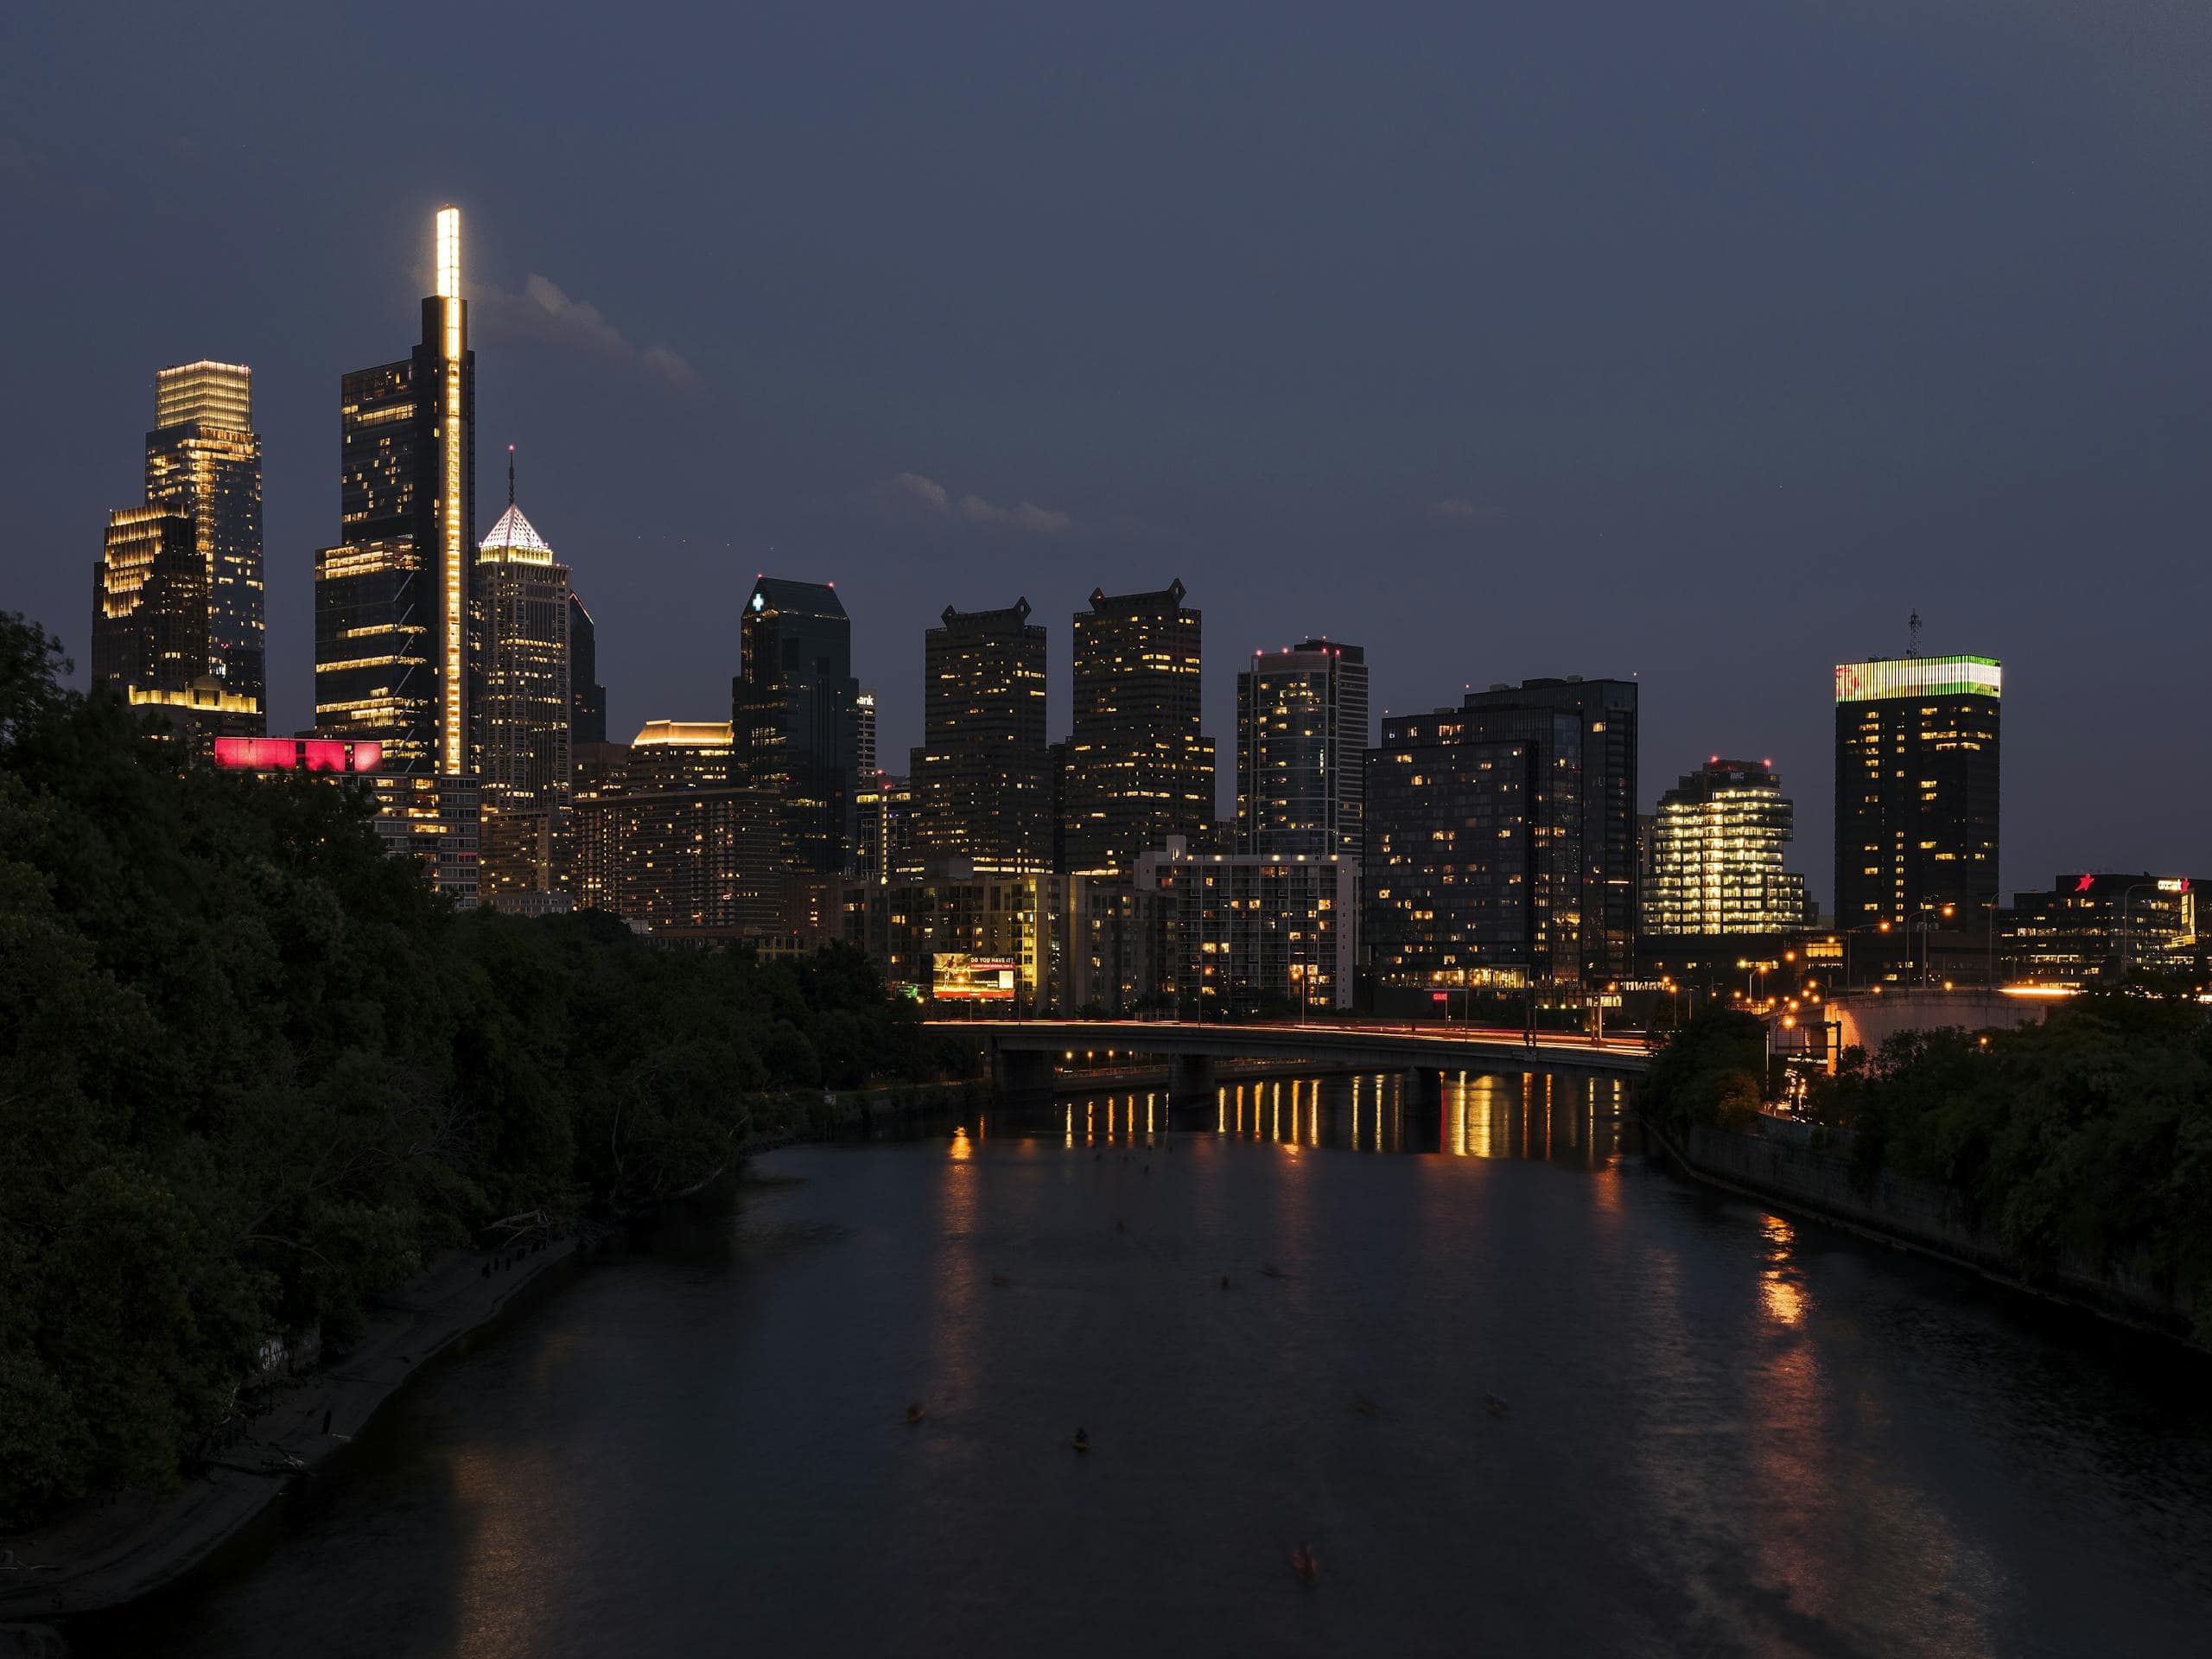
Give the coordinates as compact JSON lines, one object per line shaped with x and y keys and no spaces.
{"x":100,"y":1552}
{"x":1908,"y":1214}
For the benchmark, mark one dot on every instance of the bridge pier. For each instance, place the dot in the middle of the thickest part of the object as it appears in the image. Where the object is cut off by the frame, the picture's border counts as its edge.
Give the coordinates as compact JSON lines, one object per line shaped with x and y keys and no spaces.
{"x":1190,"y":1079}
{"x":1424,"y":1087}
{"x":1021,"y":1073}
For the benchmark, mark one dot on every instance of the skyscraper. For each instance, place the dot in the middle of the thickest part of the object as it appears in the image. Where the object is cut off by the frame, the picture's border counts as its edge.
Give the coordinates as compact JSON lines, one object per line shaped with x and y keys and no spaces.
{"x":1302,"y":739}
{"x":203,"y":460}
{"x":587,"y":696}
{"x":392,"y":647}
{"x":1717,"y":846}
{"x":522,"y":601}
{"x":981,"y":779}
{"x":864,"y":710}
{"x":1501,"y":845}
{"x":1610,"y":902}
{"x":1138,"y":769}
{"x":795,"y":715}
{"x":150,"y":602}
{"x":1916,"y":791}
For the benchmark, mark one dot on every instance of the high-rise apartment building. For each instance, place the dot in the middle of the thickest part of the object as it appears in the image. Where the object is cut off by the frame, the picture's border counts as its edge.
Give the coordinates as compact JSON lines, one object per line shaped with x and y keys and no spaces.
{"x":1301,"y":742}
{"x":150,"y":603}
{"x":982,"y":780}
{"x":1502,"y":842}
{"x":1247,"y":932}
{"x":524,"y":708}
{"x":665,"y":840}
{"x":1717,"y":846}
{"x":203,"y":460}
{"x":1139,"y":770}
{"x":794,"y":707}
{"x":394,"y":658}
{"x":1916,"y":792}
{"x":587,"y":696}
{"x":1608,"y":907}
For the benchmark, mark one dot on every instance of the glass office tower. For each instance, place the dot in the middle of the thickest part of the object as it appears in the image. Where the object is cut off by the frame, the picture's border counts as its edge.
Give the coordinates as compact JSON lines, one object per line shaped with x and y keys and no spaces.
{"x":203,"y":460}
{"x":794,"y":713}
{"x":982,"y":780}
{"x":1138,"y":768}
{"x":393,"y":653}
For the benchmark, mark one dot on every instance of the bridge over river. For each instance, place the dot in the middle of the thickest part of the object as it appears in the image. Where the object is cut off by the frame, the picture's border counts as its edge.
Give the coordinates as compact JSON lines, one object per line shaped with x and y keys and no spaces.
{"x":1026,"y":1054}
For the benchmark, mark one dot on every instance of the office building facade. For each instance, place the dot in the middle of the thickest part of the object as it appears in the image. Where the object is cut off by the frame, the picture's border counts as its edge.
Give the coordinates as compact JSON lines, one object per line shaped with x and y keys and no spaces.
{"x":981,"y":779}
{"x":1916,"y":792}
{"x":524,"y":709}
{"x":665,"y":840}
{"x":794,"y":709}
{"x":1717,"y":847}
{"x":1138,"y":769}
{"x":203,"y":460}
{"x":587,"y":696}
{"x":394,"y":655}
{"x":150,"y":603}
{"x":1301,"y":743}
{"x":2094,"y":928}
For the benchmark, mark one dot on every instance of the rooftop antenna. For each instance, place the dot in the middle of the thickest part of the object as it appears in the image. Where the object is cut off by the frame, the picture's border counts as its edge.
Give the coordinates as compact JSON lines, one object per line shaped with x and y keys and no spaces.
{"x":1913,"y":649}
{"x":511,"y":492}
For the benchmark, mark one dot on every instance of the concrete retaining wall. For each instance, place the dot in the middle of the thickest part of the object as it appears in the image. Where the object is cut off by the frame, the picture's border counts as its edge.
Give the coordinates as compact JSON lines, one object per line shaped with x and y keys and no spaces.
{"x":1926,"y":1217}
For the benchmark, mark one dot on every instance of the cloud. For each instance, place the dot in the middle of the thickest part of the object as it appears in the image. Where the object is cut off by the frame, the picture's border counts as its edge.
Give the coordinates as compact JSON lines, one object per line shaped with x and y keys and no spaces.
{"x":910,"y":495}
{"x":545,"y":313}
{"x":1456,"y":509}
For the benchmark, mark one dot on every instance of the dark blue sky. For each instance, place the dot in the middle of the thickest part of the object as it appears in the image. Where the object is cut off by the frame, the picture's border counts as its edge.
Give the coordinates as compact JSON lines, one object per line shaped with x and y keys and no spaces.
{"x":1701,"y":342}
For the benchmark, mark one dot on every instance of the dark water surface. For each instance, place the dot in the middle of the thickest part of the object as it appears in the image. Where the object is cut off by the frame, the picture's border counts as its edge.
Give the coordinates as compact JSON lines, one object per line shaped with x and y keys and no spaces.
{"x":1723,"y":1433}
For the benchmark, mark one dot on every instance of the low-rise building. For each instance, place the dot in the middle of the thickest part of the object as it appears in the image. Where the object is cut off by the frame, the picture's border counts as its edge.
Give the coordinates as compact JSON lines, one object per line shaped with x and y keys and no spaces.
{"x":2092,"y":928}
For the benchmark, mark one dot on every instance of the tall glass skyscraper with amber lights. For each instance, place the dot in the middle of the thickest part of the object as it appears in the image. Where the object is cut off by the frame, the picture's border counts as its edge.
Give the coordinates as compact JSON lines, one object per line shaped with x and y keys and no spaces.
{"x":177,"y":592}
{"x":982,"y":780}
{"x":393,"y":657}
{"x":1301,"y":742}
{"x":203,"y":460}
{"x":1139,"y":770}
{"x":524,"y":709}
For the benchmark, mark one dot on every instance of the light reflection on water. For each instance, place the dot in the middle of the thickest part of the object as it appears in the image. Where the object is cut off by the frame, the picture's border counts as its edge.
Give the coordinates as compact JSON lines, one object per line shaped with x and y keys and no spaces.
{"x":1531,"y":1116}
{"x":1522,"y":1391}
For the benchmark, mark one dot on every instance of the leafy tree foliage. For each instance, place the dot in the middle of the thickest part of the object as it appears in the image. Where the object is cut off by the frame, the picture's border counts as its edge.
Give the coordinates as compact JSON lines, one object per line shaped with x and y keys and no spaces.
{"x":2088,"y":1135}
{"x":252,"y":1071}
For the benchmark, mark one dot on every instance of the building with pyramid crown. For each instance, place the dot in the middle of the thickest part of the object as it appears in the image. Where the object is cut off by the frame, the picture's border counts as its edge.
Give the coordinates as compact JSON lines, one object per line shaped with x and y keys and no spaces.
{"x":523,"y":712}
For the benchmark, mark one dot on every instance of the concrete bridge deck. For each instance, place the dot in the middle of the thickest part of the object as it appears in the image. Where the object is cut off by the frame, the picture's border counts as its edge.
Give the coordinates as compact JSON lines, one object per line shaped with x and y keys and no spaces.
{"x":1025,"y":1053}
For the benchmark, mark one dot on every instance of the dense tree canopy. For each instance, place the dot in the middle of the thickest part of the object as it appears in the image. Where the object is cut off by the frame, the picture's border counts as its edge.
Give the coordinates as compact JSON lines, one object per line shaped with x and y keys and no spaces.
{"x":251,"y":1070}
{"x":2089,"y":1134}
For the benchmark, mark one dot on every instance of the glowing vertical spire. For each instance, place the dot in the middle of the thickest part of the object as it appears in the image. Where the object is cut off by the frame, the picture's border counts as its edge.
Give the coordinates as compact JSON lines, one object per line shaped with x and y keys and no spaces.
{"x":448,"y":253}
{"x":453,"y":533}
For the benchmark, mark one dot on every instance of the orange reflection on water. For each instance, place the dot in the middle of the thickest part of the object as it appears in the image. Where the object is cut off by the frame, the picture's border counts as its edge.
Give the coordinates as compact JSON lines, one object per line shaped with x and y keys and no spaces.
{"x":960,"y":1147}
{"x":1780,"y":1294}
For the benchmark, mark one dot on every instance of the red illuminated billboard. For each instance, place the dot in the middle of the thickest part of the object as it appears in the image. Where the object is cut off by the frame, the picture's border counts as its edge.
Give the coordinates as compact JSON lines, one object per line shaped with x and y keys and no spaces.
{"x":296,"y":754}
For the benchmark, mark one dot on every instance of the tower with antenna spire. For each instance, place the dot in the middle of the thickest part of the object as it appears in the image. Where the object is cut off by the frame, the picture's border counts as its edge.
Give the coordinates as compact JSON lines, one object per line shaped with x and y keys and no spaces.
{"x":523,"y":708}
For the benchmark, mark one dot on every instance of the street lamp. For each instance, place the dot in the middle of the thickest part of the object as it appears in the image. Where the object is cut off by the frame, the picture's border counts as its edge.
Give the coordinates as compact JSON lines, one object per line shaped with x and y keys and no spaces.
{"x":1864,"y":927}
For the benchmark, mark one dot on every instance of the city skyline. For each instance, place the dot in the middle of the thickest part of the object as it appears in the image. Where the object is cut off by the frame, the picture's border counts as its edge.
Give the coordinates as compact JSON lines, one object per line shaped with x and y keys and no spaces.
{"x":1886,"y":396}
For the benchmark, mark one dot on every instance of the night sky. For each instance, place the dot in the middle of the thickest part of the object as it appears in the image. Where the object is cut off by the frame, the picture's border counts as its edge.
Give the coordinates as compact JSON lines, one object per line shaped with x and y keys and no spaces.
{"x":1700,"y":341}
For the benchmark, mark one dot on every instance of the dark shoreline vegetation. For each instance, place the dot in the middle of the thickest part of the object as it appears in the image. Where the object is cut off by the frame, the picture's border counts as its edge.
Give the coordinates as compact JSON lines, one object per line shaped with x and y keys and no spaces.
{"x":2087,"y":1136}
{"x":252,"y":1072}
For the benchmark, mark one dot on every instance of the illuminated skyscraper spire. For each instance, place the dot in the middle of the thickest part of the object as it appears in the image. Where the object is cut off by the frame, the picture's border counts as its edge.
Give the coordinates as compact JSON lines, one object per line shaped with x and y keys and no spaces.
{"x":452,"y":521}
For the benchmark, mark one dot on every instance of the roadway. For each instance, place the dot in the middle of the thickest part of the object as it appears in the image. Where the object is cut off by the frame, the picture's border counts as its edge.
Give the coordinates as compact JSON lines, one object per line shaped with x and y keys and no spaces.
{"x":1448,"y":1048}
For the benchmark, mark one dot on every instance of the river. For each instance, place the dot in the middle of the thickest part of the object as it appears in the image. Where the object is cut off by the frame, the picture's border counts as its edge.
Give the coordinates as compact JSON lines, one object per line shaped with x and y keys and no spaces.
{"x":1517,"y":1389}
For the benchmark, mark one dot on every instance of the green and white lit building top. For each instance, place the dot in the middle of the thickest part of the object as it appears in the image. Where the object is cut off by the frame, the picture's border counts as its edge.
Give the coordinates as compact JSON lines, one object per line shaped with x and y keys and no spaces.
{"x":1880,"y":678}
